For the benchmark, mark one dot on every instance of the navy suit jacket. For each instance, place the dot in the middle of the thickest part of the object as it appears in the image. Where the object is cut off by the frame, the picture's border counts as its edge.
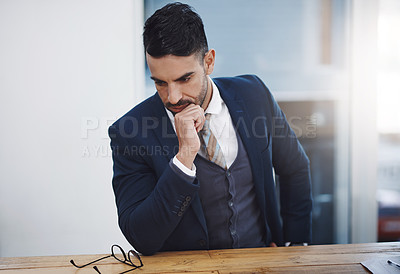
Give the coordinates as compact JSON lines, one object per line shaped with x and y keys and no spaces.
{"x":160,"y":210}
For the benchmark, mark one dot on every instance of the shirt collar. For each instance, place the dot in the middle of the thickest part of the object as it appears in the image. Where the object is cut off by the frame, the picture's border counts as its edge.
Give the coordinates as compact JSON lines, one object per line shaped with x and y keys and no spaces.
{"x":215,"y":105}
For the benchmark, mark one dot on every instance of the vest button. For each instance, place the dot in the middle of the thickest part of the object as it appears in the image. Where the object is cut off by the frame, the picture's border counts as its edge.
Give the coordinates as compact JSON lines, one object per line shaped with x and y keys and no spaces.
{"x":202,"y":243}
{"x":228,"y":173}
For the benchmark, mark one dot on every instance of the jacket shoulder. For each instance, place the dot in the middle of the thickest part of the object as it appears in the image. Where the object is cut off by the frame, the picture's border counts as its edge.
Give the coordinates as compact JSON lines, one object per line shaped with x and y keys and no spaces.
{"x":241,"y":83}
{"x":248,"y":86}
{"x":246,"y":79}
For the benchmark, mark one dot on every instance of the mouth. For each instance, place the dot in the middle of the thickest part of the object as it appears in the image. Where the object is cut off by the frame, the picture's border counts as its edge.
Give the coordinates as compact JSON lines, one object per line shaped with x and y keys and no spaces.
{"x":178,"y":109}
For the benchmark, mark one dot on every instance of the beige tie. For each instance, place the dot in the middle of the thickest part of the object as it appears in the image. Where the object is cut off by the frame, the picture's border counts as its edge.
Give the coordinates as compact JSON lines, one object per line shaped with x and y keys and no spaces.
{"x":214,"y":152}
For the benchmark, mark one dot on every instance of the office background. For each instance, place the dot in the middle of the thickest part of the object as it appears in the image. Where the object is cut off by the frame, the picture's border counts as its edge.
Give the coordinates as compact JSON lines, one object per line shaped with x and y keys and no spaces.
{"x":68,"y":69}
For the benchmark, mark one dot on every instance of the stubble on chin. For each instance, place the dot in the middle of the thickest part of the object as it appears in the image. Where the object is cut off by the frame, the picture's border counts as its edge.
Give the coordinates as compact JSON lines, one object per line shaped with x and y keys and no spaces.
{"x":199,"y":100}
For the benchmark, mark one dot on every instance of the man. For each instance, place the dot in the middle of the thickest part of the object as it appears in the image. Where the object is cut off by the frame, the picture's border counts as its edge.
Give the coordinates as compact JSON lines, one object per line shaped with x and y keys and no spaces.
{"x":193,"y":164}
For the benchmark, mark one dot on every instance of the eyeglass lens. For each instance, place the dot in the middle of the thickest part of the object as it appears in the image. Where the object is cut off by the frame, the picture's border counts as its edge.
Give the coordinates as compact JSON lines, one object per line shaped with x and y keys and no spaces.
{"x":134,"y":258}
{"x":118,"y":253}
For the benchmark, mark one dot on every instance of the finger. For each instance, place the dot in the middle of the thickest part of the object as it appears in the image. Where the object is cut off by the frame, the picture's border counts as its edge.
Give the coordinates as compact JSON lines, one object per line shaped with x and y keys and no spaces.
{"x":187,"y":112}
{"x":200,"y":120}
{"x":195,"y":113}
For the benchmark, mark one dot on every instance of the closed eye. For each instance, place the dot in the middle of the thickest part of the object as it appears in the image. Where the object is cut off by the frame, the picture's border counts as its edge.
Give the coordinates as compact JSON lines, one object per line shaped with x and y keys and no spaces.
{"x":159,"y":83}
{"x":184,"y":79}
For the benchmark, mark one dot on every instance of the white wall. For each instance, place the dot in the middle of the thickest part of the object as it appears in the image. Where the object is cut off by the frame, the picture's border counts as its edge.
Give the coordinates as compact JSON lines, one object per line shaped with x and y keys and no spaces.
{"x":68,"y":68}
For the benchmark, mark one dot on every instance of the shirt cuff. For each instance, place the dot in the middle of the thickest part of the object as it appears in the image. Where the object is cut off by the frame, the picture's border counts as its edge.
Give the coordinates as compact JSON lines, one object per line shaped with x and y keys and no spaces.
{"x":183,"y":168}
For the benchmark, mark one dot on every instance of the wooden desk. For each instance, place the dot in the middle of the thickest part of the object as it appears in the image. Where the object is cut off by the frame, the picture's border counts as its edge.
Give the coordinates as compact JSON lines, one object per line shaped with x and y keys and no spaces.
{"x":317,"y":259}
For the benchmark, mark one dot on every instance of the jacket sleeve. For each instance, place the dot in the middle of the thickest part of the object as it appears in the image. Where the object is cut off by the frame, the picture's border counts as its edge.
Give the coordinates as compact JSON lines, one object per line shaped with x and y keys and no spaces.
{"x":149,"y":206}
{"x":292,"y":166}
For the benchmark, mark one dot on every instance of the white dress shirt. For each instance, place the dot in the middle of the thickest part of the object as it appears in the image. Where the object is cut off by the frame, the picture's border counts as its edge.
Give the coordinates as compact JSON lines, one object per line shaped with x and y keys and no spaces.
{"x":221,"y":126}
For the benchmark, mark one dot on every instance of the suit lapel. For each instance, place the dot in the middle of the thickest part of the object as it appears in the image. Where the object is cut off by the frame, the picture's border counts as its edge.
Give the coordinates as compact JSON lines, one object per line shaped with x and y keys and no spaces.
{"x":243,"y":124}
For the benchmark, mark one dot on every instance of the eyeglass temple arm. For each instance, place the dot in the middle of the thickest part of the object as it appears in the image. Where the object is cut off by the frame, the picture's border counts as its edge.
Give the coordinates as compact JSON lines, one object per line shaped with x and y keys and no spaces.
{"x":73,"y":263}
{"x":97,"y":270}
{"x":134,"y":268}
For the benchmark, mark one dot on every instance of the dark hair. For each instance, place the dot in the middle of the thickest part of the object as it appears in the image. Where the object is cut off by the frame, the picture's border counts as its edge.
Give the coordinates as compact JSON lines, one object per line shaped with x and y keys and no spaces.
{"x":175,"y":29}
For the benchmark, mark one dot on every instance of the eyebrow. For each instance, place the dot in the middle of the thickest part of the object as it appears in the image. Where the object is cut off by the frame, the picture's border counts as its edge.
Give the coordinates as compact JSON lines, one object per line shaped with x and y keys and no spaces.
{"x":176,"y":80}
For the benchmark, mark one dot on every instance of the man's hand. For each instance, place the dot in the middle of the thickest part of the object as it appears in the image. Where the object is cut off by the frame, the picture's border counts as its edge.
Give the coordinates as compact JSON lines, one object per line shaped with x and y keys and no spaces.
{"x":188,"y":123}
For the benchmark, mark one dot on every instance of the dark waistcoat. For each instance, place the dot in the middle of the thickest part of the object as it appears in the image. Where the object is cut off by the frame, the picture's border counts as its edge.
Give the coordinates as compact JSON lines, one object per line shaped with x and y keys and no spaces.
{"x":229,"y":203}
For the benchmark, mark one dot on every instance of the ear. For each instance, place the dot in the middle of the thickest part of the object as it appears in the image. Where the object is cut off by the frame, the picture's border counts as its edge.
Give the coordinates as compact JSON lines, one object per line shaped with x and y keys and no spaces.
{"x":209,"y":60}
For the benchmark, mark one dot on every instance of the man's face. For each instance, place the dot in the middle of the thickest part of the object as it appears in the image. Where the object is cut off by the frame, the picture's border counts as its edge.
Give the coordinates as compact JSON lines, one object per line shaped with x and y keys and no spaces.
{"x":181,"y":80}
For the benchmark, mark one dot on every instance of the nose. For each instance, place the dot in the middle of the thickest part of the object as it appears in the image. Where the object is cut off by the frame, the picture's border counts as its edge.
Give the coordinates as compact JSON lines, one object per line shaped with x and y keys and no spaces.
{"x":174,"y":94}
